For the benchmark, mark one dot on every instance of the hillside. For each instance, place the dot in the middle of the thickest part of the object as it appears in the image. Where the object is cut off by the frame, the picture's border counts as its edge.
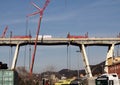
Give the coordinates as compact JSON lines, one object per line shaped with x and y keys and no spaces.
{"x":24,"y":77}
{"x":96,"y":70}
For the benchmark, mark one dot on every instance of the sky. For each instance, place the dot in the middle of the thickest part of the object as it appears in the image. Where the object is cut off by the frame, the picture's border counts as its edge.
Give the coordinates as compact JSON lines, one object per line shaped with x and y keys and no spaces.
{"x":100,"y":18}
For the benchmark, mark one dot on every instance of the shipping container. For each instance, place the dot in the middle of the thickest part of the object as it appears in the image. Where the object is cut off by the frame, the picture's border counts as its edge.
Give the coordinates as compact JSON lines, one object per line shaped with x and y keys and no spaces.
{"x":8,"y":77}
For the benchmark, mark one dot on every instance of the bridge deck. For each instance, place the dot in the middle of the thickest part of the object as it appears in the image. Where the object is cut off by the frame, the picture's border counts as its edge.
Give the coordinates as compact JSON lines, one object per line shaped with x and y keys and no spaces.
{"x":59,"y":41}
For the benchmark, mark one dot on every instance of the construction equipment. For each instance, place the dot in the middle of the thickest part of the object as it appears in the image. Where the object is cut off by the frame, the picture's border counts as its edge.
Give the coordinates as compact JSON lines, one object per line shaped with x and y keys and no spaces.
{"x":4,"y":32}
{"x":40,"y":11}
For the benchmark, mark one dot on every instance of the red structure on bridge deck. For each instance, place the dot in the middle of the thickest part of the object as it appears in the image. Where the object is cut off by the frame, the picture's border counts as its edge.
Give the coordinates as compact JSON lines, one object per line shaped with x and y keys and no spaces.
{"x":75,"y":36}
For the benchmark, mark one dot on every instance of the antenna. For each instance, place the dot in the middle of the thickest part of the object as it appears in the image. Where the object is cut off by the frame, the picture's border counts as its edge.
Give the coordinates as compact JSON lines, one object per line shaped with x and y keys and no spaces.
{"x":40,"y":12}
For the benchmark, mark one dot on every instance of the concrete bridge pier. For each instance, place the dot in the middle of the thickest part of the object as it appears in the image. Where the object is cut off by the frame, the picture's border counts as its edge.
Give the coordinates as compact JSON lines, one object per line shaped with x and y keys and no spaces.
{"x":15,"y":57}
{"x":110,"y":54}
{"x":85,"y":60}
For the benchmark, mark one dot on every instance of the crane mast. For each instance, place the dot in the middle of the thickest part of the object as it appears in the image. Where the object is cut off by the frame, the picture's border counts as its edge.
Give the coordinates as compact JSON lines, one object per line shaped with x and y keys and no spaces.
{"x":40,"y":12}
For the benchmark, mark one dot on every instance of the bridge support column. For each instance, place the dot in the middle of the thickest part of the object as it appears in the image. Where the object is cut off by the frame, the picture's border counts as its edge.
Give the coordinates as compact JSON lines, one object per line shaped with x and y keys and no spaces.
{"x":15,"y":57}
{"x":110,"y":54}
{"x":85,"y":60}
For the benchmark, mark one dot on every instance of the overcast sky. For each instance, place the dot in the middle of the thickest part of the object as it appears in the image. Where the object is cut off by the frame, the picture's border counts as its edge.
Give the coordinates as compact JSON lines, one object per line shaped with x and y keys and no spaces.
{"x":100,"y":18}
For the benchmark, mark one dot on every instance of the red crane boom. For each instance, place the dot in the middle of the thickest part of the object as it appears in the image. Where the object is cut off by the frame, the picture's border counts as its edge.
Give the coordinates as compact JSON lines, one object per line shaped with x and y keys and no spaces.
{"x":40,"y":11}
{"x":4,"y":32}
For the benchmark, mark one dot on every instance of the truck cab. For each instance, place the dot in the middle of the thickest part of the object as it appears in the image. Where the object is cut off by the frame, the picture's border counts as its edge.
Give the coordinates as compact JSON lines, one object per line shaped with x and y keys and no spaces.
{"x":107,"y":79}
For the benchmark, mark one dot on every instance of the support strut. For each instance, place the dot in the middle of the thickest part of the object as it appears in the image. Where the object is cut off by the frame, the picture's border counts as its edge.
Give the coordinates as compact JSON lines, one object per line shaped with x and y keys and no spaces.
{"x":110,"y":54}
{"x":15,"y":57}
{"x":85,"y":60}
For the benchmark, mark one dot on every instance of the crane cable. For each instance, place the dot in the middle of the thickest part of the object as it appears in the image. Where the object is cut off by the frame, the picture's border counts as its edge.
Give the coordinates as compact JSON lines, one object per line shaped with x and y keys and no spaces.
{"x":10,"y":55}
{"x":10,"y":51}
{"x":25,"y":46}
{"x":25,"y":56}
{"x":68,"y":57}
{"x":29,"y":51}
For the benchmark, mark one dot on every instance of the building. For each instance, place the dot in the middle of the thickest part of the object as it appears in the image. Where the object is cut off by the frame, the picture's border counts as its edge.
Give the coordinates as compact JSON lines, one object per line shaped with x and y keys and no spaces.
{"x":114,"y":65}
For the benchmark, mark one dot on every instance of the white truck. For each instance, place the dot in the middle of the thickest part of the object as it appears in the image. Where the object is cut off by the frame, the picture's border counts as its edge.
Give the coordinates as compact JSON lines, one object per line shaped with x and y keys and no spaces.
{"x":107,"y":79}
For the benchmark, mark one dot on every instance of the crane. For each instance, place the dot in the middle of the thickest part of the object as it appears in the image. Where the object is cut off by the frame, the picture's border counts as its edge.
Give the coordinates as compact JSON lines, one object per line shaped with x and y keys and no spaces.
{"x":4,"y":32}
{"x":40,"y":12}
